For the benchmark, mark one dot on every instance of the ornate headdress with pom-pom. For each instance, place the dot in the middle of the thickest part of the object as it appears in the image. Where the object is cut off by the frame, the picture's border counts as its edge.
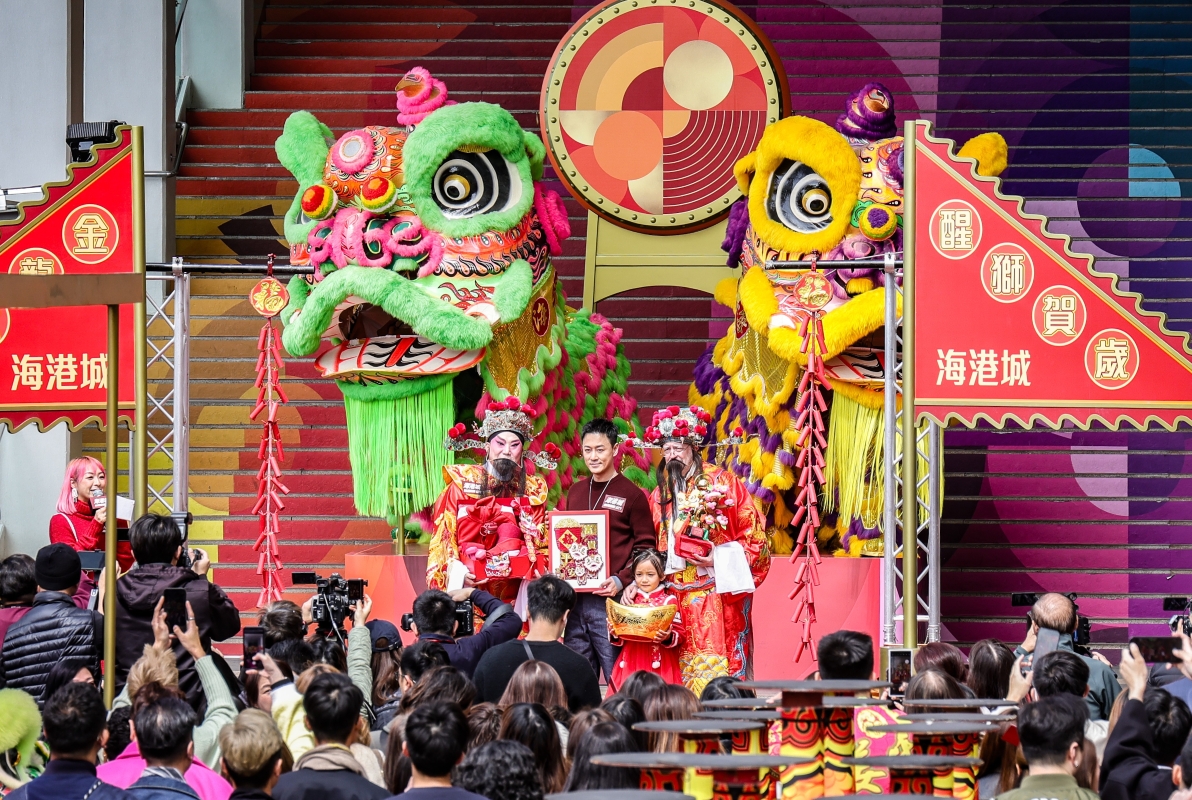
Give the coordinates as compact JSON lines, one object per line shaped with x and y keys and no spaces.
{"x":504,"y":416}
{"x":677,"y":424}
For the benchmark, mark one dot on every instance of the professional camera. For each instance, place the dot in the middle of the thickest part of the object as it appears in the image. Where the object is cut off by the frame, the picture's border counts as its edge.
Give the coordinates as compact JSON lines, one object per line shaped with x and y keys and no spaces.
{"x":465,"y":618}
{"x":1081,"y":637}
{"x":1181,"y":607}
{"x":333,"y":596}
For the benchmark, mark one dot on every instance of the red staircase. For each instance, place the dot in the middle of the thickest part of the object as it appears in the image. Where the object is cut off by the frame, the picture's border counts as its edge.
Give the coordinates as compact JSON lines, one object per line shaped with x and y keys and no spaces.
{"x":341,"y":60}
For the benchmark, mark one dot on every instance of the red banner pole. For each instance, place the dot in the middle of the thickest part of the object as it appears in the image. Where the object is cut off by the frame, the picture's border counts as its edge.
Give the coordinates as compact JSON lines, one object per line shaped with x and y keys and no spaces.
{"x":112,"y":470}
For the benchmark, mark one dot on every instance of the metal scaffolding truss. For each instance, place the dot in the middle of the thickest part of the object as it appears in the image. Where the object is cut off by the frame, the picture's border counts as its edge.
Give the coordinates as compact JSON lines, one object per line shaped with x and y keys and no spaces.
{"x":168,"y":430}
{"x":923,"y":562}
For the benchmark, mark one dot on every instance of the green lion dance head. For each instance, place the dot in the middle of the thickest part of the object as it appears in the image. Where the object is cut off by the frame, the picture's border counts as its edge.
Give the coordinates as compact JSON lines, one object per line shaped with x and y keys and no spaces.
{"x":432,"y":244}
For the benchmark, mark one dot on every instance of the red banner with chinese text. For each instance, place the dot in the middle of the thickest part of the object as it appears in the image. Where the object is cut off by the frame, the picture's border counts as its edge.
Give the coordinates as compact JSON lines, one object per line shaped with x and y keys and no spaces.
{"x":53,"y":361}
{"x":1012,"y":325}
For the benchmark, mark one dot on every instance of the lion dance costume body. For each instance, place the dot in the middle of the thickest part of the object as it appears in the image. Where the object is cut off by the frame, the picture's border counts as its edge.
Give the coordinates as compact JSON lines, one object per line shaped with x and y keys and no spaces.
{"x":814,"y":192}
{"x":433,"y":288}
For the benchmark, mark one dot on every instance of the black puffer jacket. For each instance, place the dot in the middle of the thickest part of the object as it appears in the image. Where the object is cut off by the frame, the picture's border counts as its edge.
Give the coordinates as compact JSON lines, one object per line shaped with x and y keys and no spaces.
{"x":138,"y":592}
{"x":53,"y":630}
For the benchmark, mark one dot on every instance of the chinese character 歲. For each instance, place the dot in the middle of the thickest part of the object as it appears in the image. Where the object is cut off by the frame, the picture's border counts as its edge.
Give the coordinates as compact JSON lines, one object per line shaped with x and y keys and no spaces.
{"x":64,"y":371}
{"x":91,"y":233}
{"x":983,"y":364}
{"x":1112,"y":355}
{"x":951,"y":366}
{"x":36,"y":265}
{"x":956,"y":229}
{"x":1014,"y":367}
{"x":95,"y":371}
{"x":1059,"y":314}
{"x":27,"y":371}
{"x":1007,"y":273}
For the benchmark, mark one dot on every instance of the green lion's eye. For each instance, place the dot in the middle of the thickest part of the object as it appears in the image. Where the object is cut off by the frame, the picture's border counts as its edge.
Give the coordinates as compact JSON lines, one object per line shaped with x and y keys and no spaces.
{"x":467,"y":184}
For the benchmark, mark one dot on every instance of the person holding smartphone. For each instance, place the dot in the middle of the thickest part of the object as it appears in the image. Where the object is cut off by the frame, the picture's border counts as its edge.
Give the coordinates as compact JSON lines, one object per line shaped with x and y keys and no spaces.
{"x":82,"y":511}
{"x":157,"y":544}
{"x":1053,"y":616}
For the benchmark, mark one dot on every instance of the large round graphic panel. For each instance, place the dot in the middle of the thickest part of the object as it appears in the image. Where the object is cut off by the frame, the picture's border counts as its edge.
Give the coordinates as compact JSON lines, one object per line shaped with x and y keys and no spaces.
{"x":649,"y":103}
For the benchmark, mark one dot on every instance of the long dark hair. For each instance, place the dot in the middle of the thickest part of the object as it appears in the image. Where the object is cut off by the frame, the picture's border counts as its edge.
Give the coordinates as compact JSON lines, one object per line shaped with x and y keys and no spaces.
{"x":668,"y":480}
{"x":532,"y":725}
{"x":601,"y":738}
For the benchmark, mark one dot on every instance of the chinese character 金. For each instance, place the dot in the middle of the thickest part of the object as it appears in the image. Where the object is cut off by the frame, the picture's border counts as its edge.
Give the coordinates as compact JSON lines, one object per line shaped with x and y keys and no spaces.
{"x":956,"y":229}
{"x":1007,"y":273}
{"x":27,"y":371}
{"x":95,"y":371}
{"x":1112,"y":355}
{"x":1059,"y":314}
{"x":951,"y":365}
{"x":36,"y":265}
{"x":1015,"y":366}
{"x":91,"y":233}
{"x":64,"y":371}
{"x":983,"y":364}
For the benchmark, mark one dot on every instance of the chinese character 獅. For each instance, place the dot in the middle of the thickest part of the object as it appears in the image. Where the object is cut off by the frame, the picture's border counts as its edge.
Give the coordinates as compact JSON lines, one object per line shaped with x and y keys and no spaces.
{"x":1007,"y":273}
{"x":956,"y":229}
{"x":27,"y":371}
{"x":64,"y":371}
{"x":951,"y":366}
{"x":36,"y":265}
{"x":1112,"y":355}
{"x":983,"y":364}
{"x":90,"y":232}
{"x":1014,"y":367}
{"x":1059,"y":314}
{"x":95,"y":371}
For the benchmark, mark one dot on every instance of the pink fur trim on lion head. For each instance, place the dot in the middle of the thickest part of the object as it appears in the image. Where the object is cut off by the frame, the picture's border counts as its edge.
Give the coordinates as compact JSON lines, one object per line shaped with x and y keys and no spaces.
{"x":552,"y":214}
{"x":418,"y":94}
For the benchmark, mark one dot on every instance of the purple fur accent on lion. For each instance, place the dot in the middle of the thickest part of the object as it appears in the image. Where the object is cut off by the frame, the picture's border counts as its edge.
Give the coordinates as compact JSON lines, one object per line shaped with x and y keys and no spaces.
{"x":787,"y":458}
{"x":895,"y":163}
{"x":857,"y":528}
{"x":706,"y":372}
{"x":860,"y":121}
{"x":734,"y":234}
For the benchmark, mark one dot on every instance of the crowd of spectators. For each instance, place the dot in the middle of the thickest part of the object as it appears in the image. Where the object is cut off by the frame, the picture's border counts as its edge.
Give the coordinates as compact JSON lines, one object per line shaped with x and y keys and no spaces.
{"x":350,"y":714}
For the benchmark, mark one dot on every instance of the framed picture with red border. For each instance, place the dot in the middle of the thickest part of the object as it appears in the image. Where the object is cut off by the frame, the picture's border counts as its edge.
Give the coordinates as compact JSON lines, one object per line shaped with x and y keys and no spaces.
{"x":579,"y":547}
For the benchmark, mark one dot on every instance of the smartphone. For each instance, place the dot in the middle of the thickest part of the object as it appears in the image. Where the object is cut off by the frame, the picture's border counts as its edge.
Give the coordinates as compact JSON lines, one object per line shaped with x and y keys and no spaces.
{"x":254,"y":642}
{"x":355,"y":589}
{"x":899,"y":671}
{"x":1158,"y":649}
{"x":175,"y":608}
{"x":1048,"y":641}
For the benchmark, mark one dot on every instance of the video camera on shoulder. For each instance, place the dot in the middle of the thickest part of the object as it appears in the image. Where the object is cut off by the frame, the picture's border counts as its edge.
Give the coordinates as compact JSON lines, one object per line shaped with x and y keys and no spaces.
{"x":465,"y":619}
{"x":333,"y":598}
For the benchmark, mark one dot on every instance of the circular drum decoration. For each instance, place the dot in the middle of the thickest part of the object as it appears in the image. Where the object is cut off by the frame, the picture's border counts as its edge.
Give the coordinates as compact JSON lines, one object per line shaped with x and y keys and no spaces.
{"x":648,"y":104}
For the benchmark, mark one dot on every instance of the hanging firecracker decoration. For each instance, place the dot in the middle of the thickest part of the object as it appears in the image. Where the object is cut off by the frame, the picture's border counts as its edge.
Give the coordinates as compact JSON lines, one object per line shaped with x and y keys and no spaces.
{"x":268,"y":298}
{"x":812,"y":293}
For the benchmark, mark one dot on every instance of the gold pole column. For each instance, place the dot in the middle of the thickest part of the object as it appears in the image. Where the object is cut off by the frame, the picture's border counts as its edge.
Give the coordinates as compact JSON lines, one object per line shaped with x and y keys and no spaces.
{"x":110,"y":567}
{"x":139,"y":491}
{"x":910,"y":454}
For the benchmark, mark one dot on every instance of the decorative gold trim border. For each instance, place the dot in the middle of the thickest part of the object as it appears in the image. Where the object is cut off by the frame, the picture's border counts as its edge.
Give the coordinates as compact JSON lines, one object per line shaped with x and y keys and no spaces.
{"x":4,"y":421}
{"x":1048,"y":422}
{"x":777,"y":90}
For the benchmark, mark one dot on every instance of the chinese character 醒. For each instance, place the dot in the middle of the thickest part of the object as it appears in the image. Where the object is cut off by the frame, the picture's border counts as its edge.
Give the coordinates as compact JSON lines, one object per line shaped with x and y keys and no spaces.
{"x":956,"y":229}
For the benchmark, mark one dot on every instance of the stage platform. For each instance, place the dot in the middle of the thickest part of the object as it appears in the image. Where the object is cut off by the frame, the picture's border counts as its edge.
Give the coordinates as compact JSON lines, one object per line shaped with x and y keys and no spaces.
{"x":849,"y":596}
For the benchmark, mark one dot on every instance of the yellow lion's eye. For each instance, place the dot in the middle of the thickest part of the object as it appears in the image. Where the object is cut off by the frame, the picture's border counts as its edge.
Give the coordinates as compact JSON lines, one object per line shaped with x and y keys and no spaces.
{"x":815,"y":202}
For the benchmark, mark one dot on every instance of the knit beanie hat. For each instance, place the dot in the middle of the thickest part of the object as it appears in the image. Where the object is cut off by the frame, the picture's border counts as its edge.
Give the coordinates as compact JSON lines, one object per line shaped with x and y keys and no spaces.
{"x":58,"y":567}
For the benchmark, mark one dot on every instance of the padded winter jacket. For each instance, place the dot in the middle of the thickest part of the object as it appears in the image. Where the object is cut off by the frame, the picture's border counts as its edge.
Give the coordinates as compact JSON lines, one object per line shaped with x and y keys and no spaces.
{"x":138,"y":591}
{"x":53,"y":630}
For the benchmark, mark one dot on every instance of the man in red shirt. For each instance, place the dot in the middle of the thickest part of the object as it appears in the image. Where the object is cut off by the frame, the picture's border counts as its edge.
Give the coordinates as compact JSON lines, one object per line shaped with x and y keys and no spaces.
{"x":630,"y":528}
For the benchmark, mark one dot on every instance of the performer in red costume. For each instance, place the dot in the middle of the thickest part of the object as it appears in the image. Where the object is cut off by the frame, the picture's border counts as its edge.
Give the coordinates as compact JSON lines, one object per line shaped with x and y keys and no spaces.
{"x":520,"y":500}
{"x":714,"y":541}
{"x":78,"y":522}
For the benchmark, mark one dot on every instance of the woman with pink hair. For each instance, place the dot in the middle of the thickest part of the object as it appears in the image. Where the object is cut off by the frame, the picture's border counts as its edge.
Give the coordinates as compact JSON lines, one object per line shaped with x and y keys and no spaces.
{"x":78,"y":522}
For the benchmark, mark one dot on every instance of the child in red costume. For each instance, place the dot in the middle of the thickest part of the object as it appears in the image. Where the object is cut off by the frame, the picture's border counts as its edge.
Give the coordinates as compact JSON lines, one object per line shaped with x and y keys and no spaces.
{"x":662,"y":655}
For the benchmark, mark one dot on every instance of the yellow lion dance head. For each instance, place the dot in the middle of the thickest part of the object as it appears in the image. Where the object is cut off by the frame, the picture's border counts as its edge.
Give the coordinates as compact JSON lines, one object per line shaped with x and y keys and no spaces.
{"x":832,"y":195}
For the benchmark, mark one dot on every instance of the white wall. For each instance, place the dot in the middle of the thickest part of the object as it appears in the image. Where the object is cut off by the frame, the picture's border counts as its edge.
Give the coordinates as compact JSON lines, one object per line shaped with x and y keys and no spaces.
{"x":32,"y":467}
{"x":128,"y":74}
{"x":36,"y":93}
